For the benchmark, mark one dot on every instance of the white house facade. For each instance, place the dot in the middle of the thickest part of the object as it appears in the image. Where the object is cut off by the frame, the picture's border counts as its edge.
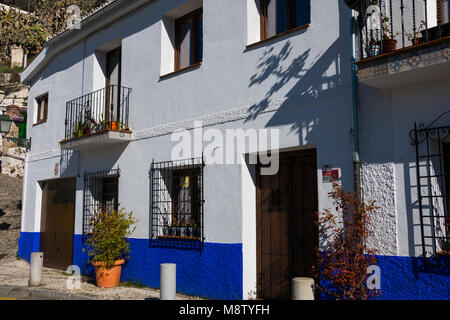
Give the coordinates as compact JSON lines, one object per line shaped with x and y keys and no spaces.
{"x":143,"y":106}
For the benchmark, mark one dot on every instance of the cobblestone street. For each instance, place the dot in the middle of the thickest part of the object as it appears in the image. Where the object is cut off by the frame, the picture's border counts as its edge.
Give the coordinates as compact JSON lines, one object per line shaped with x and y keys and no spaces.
{"x":14,"y":273}
{"x":14,"y":284}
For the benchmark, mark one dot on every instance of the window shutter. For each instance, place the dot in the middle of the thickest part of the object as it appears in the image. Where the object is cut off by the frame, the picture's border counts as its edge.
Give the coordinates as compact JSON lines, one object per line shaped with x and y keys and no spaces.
{"x":45,"y":108}
{"x":303,"y":12}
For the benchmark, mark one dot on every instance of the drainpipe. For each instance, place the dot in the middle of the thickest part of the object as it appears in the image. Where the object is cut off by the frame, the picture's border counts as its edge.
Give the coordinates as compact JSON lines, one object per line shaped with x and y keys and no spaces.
{"x":355,"y":128}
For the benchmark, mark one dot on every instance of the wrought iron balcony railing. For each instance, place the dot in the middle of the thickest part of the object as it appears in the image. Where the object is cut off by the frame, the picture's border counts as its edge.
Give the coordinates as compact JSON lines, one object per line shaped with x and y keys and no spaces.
{"x":388,"y":25}
{"x":99,"y":111}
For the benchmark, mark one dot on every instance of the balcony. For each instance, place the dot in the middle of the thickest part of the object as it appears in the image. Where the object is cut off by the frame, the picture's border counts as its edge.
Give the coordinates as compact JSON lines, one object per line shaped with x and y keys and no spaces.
{"x":402,"y":42}
{"x":97,"y":119}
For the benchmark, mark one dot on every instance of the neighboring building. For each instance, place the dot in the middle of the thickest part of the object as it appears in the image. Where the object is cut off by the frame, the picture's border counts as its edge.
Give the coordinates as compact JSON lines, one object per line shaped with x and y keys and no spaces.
{"x":12,"y":154}
{"x":404,"y":108}
{"x":14,"y":105}
{"x":107,"y":101}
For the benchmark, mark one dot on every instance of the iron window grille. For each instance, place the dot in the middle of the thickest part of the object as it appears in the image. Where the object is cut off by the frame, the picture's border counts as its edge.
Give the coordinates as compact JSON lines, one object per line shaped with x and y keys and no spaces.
{"x":177,"y":202}
{"x":432,"y":146}
{"x":101,"y":192}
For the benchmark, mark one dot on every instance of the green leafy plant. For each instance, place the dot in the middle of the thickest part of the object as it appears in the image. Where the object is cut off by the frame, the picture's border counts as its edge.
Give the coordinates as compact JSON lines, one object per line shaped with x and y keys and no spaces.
{"x":385,"y":27}
{"x":45,"y":19}
{"x":110,"y":230}
{"x":418,"y":33}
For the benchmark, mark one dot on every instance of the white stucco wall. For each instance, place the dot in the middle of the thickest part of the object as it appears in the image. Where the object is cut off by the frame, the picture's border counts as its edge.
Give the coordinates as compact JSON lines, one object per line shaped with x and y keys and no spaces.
{"x":299,"y":84}
{"x":389,"y":174}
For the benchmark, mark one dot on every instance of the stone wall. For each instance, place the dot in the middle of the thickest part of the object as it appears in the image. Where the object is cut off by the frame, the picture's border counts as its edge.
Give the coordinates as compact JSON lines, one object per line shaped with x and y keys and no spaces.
{"x":13,"y":162}
{"x":12,"y":159}
{"x":15,"y":93}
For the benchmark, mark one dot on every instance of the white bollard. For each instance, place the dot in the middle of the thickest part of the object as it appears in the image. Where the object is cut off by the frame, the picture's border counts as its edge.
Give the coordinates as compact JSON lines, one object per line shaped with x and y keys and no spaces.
{"x":303,"y":289}
{"x":168,"y":281}
{"x":36,"y":264}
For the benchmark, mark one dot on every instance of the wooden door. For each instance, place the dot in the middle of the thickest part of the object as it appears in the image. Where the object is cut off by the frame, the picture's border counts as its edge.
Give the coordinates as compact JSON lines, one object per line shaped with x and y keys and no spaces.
{"x":286,"y":233}
{"x":113,"y":83}
{"x":57,"y":222}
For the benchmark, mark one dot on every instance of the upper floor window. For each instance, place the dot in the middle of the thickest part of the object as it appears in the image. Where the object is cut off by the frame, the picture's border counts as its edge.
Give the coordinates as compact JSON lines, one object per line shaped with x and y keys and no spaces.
{"x":278,"y":16}
{"x":42,"y":108}
{"x":189,"y":39}
{"x":443,"y":11}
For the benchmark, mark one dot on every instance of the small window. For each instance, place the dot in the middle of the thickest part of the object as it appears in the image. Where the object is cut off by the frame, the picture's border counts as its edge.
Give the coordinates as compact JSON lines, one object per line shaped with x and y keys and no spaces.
{"x":278,"y":16}
{"x":42,"y":108}
{"x":189,"y":40}
{"x":177,"y":200}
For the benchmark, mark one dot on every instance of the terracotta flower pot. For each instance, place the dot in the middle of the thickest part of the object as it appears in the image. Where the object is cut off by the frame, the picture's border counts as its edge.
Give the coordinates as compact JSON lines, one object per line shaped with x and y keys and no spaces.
{"x":416,"y":41}
{"x":389,"y":45}
{"x":113,"y":125}
{"x":108,"y":276}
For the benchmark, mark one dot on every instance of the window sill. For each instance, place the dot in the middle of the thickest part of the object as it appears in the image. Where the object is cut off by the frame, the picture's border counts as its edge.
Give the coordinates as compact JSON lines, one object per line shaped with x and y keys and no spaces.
{"x":177,"y":238}
{"x":277,"y":36}
{"x":39,"y":122}
{"x":191,"y":67}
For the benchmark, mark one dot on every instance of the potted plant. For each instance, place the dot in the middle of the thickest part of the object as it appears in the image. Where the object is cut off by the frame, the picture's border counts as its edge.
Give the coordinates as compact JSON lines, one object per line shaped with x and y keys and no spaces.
{"x":108,"y":245}
{"x":165,"y":229}
{"x":182,"y":229}
{"x":174,"y":228}
{"x":79,"y":129}
{"x":192,"y":229}
{"x":373,"y":48}
{"x":114,"y":124}
{"x":418,"y":34}
{"x":389,"y":43}
{"x":101,"y":124}
{"x":122,"y":126}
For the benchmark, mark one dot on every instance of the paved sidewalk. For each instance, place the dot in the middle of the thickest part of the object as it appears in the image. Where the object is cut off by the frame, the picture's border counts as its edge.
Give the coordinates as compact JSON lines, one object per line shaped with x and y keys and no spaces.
{"x":14,"y":284}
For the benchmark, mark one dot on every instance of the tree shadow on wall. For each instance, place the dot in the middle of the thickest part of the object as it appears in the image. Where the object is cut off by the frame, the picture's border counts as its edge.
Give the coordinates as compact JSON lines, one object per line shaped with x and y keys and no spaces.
{"x":320,"y":85}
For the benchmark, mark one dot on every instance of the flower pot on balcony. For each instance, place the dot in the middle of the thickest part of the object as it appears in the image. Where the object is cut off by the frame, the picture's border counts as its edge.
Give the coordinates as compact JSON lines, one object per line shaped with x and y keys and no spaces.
{"x":417,"y":41}
{"x":373,"y":49}
{"x":108,"y":276}
{"x":389,"y":45}
{"x":114,"y":125}
{"x":166,"y":231}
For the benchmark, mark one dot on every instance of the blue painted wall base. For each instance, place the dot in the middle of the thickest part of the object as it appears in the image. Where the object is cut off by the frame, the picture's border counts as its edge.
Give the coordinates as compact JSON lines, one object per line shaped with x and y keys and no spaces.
{"x":216,"y":271}
{"x":28,"y":242}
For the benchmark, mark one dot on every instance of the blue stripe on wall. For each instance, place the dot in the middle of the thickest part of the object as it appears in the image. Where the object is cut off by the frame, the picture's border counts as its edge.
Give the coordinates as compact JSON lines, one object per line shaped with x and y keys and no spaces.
{"x":217,"y":271}
{"x":405,"y":278}
{"x":214,"y":272}
{"x":28,"y":243}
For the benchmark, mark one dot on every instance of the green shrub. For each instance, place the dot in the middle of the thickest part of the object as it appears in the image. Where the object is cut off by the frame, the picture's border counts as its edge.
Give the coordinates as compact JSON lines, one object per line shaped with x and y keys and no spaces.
{"x":108,"y":240}
{"x":5,"y":67}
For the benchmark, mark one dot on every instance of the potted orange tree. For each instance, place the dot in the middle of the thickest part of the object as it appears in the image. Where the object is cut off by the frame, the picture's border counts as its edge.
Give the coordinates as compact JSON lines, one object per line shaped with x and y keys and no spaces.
{"x":108,"y":245}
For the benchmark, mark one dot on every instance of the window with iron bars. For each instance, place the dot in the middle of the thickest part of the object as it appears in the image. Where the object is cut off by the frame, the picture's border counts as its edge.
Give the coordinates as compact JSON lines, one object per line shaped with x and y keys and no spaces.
{"x":433,"y":191}
{"x":177,"y":200}
{"x":101,"y":193}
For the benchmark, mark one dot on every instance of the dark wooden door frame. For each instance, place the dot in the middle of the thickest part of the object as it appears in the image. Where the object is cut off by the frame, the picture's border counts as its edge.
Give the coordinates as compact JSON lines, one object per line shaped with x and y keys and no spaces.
{"x":108,"y":81}
{"x":196,"y":15}
{"x":290,"y":158}
{"x":44,"y":222}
